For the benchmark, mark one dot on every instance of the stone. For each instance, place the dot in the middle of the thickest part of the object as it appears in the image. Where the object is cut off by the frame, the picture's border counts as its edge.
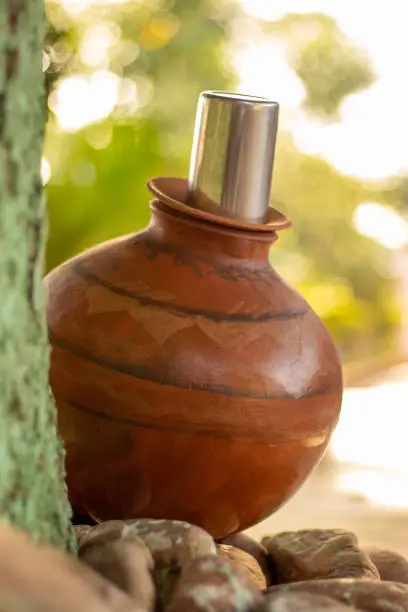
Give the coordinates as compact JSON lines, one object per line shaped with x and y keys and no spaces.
{"x":364,"y":594}
{"x":42,"y":579}
{"x":172,"y":543}
{"x":252,"y":547}
{"x":246,"y":562}
{"x":214,"y":584}
{"x":390,"y":565}
{"x":318,"y":553}
{"x":127,"y":563}
{"x":81,"y":532}
{"x":303,"y":602}
{"x":103,"y":532}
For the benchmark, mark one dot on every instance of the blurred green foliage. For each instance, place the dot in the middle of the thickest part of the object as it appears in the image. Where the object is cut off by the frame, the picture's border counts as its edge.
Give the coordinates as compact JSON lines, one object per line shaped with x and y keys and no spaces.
{"x":165,"y":52}
{"x":170,"y":51}
{"x":328,"y":64}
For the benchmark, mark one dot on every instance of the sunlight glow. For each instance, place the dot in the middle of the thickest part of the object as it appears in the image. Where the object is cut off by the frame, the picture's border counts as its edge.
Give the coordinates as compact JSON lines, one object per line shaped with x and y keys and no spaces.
{"x":45,"y":171}
{"x":128,"y":100}
{"x":263,"y":69}
{"x":372,"y":427}
{"x":349,"y":144}
{"x":367,"y":141}
{"x":382,"y":224}
{"x":77,"y":6}
{"x":272,"y":11}
{"x":370,"y":140}
{"x":79,"y":100}
{"x":381,"y":488}
{"x":370,"y":443}
{"x":96,"y":43}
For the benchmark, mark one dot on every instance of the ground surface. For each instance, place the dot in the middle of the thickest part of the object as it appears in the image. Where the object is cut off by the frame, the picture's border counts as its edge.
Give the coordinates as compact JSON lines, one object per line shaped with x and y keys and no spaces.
{"x":321,"y":503}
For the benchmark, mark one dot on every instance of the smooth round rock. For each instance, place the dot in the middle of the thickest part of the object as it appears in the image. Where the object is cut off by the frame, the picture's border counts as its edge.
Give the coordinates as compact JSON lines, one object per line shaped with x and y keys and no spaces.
{"x":318,"y":553}
{"x":363,"y":594}
{"x":214,"y":584}
{"x":246,"y":562}
{"x":128,"y":564}
{"x":390,"y":565}
{"x":252,"y":547}
{"x":303,"y":602}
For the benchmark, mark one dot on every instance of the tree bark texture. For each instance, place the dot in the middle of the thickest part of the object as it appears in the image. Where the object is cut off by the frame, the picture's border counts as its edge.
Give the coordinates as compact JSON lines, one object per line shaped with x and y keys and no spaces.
{"x":32,"y":488}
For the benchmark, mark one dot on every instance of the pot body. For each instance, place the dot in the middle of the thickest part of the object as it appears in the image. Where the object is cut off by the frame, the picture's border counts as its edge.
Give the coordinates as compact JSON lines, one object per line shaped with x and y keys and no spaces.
{"x":191,"y":381}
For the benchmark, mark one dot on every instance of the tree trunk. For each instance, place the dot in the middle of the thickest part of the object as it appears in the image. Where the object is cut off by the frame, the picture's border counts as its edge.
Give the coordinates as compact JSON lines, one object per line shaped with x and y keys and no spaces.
{"x":32,"y":489}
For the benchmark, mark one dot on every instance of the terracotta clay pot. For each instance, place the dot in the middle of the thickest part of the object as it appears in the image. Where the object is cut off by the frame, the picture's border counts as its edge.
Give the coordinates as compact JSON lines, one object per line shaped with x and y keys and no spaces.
{"x":191,"y":381}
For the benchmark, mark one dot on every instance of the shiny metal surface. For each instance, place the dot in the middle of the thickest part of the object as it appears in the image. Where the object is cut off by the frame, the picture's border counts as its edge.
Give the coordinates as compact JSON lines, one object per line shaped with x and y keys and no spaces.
{"x":232,"y":155}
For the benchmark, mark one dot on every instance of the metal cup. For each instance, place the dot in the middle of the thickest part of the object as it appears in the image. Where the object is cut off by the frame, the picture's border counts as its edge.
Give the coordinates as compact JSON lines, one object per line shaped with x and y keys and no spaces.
{"x":232,"y":155}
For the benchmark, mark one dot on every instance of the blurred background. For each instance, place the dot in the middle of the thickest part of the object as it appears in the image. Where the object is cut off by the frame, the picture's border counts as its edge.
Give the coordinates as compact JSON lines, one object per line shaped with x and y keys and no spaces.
{"x":123,"y":78}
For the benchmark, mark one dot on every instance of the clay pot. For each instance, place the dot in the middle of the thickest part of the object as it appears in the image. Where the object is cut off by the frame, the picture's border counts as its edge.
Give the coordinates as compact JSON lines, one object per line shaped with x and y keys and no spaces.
{"x":191,"y":381}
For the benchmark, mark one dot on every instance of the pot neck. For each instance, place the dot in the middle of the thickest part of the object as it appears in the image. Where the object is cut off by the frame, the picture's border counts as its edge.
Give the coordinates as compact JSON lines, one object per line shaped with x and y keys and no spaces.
{"x":168,"y":226}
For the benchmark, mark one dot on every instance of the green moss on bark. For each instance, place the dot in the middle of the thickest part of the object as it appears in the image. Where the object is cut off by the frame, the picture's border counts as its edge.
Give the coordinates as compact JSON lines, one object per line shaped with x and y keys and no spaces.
{"x":32,"y":489}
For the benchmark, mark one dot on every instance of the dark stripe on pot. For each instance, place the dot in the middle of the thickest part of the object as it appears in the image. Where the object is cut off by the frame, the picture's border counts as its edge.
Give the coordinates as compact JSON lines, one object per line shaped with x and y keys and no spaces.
{"x":151,"y":374}
{"x":249,"y":438}
{"x":219,"y":317}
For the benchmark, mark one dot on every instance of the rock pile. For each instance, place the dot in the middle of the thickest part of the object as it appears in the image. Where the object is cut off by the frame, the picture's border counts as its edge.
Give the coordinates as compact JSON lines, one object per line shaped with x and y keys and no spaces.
{"x":151,"y":565}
